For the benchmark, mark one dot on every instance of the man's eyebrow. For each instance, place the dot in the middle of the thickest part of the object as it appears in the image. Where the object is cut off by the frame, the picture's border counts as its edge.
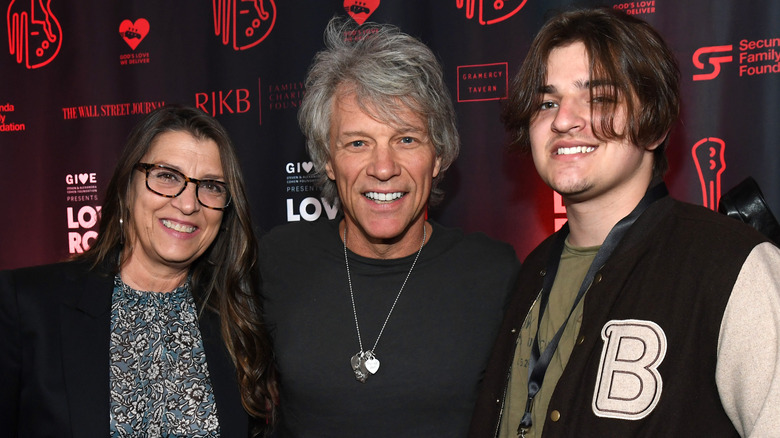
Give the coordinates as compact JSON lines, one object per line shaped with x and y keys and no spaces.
{"x":547,"y":89}
{"x":406,"y":129}
{"x":355,"y":133}
{"x":594,"y":83}
{"x":581,"y":84}
{"x":410,"y":129}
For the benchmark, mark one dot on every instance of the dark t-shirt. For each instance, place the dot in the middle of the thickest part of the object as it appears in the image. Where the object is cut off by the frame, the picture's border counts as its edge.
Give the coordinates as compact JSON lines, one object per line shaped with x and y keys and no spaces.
{"x":432,"y":353}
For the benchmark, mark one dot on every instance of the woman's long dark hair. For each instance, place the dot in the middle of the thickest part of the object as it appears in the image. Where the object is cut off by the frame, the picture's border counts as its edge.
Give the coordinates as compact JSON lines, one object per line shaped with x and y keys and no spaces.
{"x":225,"y":278}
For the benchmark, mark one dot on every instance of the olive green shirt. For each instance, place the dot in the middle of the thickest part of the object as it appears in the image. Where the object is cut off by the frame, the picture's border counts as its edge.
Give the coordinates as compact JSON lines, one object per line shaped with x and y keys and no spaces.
{"x":573,"y":266}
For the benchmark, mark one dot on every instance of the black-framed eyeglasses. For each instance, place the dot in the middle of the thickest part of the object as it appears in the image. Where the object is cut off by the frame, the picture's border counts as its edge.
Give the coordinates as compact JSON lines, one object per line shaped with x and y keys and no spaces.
{"x":170,"y":183}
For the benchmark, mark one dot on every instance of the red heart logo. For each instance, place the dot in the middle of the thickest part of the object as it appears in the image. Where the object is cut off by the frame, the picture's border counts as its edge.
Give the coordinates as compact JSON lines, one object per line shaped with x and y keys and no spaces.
{"x":360,"y":10}
{"x":134,"y":33}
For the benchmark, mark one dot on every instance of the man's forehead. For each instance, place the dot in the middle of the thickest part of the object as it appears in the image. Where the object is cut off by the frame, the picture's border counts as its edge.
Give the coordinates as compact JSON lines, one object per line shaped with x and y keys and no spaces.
{"x":587,"y":81}
{"x":389,"y":111}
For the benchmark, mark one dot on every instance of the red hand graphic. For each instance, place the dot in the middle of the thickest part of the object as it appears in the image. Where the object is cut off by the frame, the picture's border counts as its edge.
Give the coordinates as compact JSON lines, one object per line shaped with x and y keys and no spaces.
{"x":496,"y":10}
{"x":34,"y":34}
{"x":245,"y":23}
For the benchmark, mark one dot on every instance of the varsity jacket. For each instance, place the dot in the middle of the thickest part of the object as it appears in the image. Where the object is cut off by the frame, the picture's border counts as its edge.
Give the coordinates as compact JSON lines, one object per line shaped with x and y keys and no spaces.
{"x":645,"y":359}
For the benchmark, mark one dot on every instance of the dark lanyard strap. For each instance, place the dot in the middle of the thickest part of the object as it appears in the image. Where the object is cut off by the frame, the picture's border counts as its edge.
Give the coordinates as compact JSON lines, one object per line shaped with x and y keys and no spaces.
{"x":539,"y":363}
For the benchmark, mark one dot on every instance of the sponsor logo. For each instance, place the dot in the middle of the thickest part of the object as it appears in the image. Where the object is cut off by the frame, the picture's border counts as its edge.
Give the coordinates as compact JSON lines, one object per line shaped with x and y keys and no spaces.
{"x":708,"y":156}
{"x":279,"y":97}
{"x":80,"y":223}
{"x":285,"y":96}
{"x":482,"y":82}
{"x":34,"y":33}
{"x":301,"y":179}
{"x":713,"y":60}
{"x":754,"y":58}
{"x":243,"y":24}
{"x":221,"y":102}
{"x":134,"y":58}
{"x":358,"y":34}
{"x":629,"y":385}
{"x":282,"y":96}
{"x":490,"y":12}
{"x":360,"y":10}
{"x":80,"y":187}
{"x":310,"y":209}
{"x":109,"y":110}
{"x":133,"y":33}
{"x":82,"y":218}
{"x":637,"y":8}
{"x":7,"y":125}
{"x":758,"y":57}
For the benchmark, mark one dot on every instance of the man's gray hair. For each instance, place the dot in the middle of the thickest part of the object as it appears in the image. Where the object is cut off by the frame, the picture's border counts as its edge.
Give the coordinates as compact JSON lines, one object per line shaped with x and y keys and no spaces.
{"x":388,"y":71}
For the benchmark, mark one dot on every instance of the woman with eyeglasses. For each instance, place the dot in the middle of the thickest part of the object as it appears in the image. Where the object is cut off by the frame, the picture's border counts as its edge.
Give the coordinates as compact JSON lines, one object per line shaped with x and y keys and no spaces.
{"x":156,"y":330}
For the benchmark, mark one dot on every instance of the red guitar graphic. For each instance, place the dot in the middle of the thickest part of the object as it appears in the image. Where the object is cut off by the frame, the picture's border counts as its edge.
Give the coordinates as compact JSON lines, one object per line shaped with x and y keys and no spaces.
{"x":710,"y":164}
{"x":34,"y":34}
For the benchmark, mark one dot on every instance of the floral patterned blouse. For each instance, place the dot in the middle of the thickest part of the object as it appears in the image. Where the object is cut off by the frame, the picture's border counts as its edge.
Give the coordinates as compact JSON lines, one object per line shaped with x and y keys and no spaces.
{"x":160,"y":384}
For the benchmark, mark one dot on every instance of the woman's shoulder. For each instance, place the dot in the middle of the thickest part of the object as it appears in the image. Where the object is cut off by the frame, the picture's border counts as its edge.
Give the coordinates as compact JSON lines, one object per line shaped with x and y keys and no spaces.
{"x":43,"y":273}
{"x":50,"y":281}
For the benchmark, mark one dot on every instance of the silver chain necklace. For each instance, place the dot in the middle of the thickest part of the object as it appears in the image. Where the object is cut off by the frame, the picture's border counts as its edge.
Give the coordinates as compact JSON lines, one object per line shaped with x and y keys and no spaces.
{"x":365,"y":362}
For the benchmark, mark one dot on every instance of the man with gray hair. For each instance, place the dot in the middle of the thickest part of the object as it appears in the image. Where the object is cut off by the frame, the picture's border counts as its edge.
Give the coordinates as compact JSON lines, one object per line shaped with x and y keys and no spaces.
{"x":380,"y":283}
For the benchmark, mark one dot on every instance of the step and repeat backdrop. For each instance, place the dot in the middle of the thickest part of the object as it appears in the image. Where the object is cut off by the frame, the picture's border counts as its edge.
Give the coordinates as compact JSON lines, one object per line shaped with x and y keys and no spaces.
{"x":77,"y":75}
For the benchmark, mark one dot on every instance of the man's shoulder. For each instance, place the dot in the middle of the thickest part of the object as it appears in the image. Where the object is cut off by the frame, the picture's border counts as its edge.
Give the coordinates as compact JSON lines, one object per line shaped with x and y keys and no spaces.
{"x":299,"y":231}
{"x":460,"y":257}
{"x":299,"y":243}
{"x":477,"y":242}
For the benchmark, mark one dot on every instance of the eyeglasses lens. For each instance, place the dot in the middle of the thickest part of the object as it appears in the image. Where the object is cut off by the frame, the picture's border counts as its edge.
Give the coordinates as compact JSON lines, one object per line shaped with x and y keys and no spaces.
{"x":170,"y":183}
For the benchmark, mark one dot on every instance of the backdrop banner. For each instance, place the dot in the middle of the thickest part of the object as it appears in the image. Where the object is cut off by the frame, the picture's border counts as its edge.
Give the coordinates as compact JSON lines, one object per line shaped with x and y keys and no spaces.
{"x":76,"y":76}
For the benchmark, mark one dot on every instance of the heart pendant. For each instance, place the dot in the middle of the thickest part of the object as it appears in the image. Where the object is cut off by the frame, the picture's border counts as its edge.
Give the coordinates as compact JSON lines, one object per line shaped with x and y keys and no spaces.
{"x":372,"y":365}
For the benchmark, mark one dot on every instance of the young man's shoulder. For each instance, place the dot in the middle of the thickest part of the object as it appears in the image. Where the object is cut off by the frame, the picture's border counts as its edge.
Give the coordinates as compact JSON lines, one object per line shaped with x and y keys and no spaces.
{"x":692,"y":218}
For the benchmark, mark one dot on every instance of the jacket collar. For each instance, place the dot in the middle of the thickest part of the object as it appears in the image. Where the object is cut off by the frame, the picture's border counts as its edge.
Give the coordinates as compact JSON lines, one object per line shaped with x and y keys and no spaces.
{"x":86,"y":326}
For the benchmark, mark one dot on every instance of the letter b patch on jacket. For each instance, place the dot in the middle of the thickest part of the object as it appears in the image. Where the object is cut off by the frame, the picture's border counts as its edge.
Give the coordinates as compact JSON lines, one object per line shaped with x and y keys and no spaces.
{"x":629,"y":386}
